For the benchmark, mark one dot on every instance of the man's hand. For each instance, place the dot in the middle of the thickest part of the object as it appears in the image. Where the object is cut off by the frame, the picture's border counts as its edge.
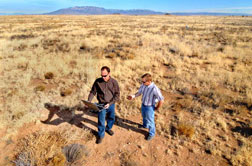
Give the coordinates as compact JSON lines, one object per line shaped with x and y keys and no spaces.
{"x":160,"y":103}
{"x":106,"y":106}
{"x":129,"y":97}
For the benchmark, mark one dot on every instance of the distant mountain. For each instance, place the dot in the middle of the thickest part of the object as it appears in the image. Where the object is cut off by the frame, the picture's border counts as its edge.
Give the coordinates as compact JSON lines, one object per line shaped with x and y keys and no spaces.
{"x":210,"y":14}
{"x":91,"y":10}
{"x":6,"y":14}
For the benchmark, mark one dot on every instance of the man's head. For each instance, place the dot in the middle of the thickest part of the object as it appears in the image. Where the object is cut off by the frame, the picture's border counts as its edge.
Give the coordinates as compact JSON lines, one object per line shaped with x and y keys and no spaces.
{"x":146,"y":79}
{"x":105,"y":73}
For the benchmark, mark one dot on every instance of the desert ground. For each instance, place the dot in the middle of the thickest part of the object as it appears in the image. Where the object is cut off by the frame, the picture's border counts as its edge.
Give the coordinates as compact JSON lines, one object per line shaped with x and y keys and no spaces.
{"x":202,"y":64}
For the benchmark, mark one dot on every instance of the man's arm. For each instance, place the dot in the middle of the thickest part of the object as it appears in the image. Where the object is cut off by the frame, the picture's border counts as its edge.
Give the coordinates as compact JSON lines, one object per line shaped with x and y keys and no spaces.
{"x":92,"y":92}
{"x":159,"y":104}
{"x":116,"y":95}
{"x":160,"y":98}
{"x":130,"y":97}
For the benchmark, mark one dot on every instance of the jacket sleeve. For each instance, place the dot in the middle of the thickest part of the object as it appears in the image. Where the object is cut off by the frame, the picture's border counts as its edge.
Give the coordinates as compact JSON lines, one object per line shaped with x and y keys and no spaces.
{"x":116,"y":95}
{"x":92,"y":92}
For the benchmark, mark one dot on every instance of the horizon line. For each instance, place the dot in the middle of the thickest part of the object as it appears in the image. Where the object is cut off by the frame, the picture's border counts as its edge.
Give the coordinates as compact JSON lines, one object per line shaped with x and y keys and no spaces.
{"x":211,"y":11}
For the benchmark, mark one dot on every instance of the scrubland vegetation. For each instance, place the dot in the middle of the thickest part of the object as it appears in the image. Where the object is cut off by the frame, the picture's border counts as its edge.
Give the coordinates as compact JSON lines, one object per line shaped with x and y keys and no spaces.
{"x":202,"y":64}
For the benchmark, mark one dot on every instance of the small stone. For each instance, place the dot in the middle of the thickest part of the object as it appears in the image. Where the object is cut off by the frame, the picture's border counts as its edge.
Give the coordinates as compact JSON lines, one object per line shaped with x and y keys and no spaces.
{"x":140,"y":146}
{"x":144,"y":154}
{"x":191,"y":150}
{"x":176,"y":153}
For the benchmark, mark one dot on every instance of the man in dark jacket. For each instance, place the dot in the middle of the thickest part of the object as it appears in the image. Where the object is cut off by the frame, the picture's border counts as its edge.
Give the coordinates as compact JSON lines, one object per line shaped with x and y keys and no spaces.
{"x":108,"y":93}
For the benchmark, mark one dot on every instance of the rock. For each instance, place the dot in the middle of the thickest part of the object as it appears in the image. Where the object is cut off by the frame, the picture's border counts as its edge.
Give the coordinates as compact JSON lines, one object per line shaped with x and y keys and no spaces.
{"x":144,"y":154}
{"x":140,"y":146}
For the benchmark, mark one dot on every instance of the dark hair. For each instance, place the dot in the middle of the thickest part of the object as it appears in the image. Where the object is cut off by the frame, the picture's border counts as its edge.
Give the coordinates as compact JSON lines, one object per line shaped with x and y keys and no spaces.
{"x":105,"y":68}
{"x":147,"y":77}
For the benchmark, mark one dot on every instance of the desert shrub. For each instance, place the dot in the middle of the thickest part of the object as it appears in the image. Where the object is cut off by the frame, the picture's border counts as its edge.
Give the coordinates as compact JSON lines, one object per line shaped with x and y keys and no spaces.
{"x":49,"y":75}
{"x":243,"y":156}
{"x":58,"y":160}
{"x":17,"y":115}
{"x":39,"y":88}
{"x":186,"y":130}
{"x":39,"y":147}
{"x":55,"y":45}
{"x":21,"y":47}
{"x":85,"y":47}
{"x":111,"y":55}
{"x":21,"y":37}
{"x":126,"y":159}
{"x":24,"y":159}
{"x":66,"y":92}
{"x":73,"y":63}
{"x":75,"y":152}
{"x":44,"y":147}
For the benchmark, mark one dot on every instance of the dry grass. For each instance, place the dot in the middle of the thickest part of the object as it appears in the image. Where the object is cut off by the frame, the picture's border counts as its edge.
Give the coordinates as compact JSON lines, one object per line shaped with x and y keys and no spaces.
{"x":204,"y":60}
{"x":243,"y":155}
{"x":126,"y":159}
{"x":45,"y":147}
{"x":186,"y":130}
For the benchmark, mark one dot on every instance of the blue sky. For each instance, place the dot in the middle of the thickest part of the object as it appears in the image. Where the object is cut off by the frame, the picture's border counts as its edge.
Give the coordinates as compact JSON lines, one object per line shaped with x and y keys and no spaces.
{"x":44,"y":6}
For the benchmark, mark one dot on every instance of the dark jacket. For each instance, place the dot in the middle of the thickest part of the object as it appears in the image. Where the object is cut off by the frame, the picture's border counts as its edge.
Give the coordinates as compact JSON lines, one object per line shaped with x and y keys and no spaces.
{"x":107,"y":92}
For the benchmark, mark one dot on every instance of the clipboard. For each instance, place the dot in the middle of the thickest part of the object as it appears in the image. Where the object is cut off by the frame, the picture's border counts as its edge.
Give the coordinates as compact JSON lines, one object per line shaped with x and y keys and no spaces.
{"x":93,"y":106}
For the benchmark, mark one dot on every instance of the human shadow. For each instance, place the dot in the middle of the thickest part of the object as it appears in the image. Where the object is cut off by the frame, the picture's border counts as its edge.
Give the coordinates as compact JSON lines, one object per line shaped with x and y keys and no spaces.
{"x":67,"y":114}
{"x":244,"y":129}
{"x":123,"y":123}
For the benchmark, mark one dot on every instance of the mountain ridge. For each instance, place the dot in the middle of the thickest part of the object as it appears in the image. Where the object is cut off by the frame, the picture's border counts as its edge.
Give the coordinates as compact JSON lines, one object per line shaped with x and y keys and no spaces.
{"x":92,"y":10}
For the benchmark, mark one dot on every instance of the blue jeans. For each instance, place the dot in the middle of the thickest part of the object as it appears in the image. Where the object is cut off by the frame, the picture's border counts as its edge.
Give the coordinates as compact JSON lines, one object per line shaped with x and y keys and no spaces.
{"x":148,"y":119}
{"x":110,"y":112}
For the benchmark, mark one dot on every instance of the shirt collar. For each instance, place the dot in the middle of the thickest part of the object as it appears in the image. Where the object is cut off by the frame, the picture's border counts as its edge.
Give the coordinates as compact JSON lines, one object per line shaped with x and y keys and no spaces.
{"x":152,"y":84}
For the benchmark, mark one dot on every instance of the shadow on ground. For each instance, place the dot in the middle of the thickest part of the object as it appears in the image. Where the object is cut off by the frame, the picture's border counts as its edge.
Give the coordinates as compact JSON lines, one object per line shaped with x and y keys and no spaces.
{"x":67,"y":114}
{"x":244,"y":129}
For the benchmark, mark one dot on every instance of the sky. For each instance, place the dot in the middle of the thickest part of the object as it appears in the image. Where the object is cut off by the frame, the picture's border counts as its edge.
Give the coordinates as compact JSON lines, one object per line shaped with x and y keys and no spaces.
{"x":169,"y":6}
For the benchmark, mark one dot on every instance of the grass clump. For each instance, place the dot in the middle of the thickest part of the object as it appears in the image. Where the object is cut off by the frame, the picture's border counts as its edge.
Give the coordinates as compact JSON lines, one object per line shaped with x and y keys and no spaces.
{"x":243,"y":156}
{"x":39,"y":148}
{"x":49,"y":75}
{"x":186,"y":130}
{"x":58,"y":160}
{"x":126,"y":159}
{"x":40,"y":88}
{"x":66,"y":92}
{"x":75,"y":152}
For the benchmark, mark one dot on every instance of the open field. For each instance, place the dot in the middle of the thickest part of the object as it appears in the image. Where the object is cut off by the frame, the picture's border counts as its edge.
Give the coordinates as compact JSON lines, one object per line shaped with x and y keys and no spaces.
{"x":202,"y":64}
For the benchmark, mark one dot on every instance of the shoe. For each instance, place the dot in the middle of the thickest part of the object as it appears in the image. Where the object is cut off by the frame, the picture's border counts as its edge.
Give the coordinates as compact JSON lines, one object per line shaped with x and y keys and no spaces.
{"x":110,"y":132}
{"x":141,"y":127}
{"x":149,"y":138}
{"x":44,"y":121}
{"x":71,"y":121}
{"x":99,"y":140}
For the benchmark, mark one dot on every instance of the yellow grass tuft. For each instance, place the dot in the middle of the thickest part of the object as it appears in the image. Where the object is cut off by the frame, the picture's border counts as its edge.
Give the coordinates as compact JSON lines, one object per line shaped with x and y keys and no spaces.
{"x":243,"y":155}
{"x":45,"y":147}
{"x":66,"y":92}
{"x":39,"y":88}
{"x":186,"y":130}
{"x":49,"y":75}
{"x":58,"y":160}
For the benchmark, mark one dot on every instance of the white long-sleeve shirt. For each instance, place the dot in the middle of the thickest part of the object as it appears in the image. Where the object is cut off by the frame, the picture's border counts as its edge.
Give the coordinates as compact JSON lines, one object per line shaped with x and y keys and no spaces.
{"x":150,"y":94}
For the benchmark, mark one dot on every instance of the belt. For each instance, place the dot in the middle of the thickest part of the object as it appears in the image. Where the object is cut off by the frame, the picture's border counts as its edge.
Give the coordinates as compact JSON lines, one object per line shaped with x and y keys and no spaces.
{"x":147,"y":105}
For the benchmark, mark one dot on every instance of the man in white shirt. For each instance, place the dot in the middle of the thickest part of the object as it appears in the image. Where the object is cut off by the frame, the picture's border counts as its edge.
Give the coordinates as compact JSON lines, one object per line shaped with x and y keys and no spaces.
{"x":151,"y":95}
